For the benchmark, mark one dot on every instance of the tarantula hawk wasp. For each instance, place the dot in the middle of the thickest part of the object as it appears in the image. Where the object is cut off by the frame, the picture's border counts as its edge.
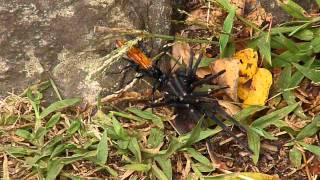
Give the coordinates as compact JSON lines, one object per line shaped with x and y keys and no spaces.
{"x":143,"y":65}
{"x":179,"y":90}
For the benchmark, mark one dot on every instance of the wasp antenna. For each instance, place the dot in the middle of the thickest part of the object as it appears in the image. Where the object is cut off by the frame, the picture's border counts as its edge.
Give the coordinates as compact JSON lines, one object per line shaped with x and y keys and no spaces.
{"x":195,"y":67}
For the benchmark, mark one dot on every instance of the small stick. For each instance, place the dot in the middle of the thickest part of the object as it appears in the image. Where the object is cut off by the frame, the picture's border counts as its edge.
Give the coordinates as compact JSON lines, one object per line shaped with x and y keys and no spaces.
{"x":118,"y":93}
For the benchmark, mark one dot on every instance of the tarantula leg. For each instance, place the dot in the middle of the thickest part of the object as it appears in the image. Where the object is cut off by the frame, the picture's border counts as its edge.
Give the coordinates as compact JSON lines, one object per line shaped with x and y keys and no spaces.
{"x":195,"y":67}
{"x":225,"y":128}
{"x":225,"y":115}
{"x":207,"y":79}
{"x":189,"y":68}
{"x":173,"y":89}
{"x":179,"y":85}
{"x":205,"y":94}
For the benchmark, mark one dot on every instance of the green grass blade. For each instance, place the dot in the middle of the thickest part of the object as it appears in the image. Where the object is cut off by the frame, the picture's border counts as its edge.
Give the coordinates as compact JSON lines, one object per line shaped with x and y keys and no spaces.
{"x":24,"y":134}
{"x":54,"y":169}
{"x":175,"y":144}
{"x":128,"y":116}
{"x":310,"y":129}
{"x":297,"y":77}
{"x":77,"y":157}
{"x":305,"y":35}
{"x":294,"y":9}
{"x":312,"y":148}
{"x":60,"y":148}
{"x":58,"y":106}
{"x":199,"y":157}
{"x":165,"y":165}
{"x":138,"y":167}
{"x":53,"y":120}
{"x":245,"y":113}
{"x":135,"y":148}
{"x":155,"y":138}
{"x":156,"y":120}
{"x":19,"y":151}
{"x":56,"y":90}
{"x":158,"y":173}
{"x":276,"y":115}
{"x":265,"y":47}
{"x":39,"y":136}
{"x":225,"y":4}
{"x":102,"y":150}
{"x":295,"y":157}
{"x":195,"y":133}
{"x":312,"y":74}
{"x":74,"y":127}
{"x":118,"y":129}
{"x":254,"y":145}
{"x":227,"y":28}
{"x":315,"y":43}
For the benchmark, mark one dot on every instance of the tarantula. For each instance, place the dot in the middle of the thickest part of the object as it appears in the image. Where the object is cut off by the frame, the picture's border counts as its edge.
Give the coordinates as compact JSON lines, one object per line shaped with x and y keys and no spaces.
{"x":180,"y":93}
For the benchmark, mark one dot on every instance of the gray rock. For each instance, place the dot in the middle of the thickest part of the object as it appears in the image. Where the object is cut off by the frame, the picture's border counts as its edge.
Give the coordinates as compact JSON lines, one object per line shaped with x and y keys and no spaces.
{"x":280,"y":16}
{"x":42,"y":38}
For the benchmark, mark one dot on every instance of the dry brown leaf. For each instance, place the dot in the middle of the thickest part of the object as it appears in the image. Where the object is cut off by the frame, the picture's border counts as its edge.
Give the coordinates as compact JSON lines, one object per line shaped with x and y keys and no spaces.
{"x":230,"y":77}
{"x":258,"y":16}
{"x":229,"y":107}
{"x":296,"y":123}
{"x":204,"y":17}
{"x":181,"y":51}
{"x":240,"y":5}
{"x":203,"y":71}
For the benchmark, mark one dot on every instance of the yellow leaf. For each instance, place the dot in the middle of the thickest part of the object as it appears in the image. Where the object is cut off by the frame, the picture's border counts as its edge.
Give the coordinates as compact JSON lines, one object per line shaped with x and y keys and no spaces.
{"x":249,"y":64}
{"x":259,"y":89}
{"x":243,"y":91}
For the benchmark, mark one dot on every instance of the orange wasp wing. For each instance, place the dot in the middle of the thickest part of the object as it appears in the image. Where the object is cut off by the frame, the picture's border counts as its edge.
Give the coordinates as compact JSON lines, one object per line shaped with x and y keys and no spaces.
{"x":136,"y":55}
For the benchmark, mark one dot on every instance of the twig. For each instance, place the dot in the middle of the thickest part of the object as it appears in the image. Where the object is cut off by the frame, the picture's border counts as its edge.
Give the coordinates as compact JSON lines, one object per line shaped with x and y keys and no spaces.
{"x":295,"y":170}
{"x":118,"y":93}
{"x":230,"y":139}
{"x":14,"y":127}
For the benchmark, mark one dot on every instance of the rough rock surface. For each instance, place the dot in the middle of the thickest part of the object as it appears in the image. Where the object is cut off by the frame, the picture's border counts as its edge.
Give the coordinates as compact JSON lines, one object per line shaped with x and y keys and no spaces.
{"x":43,"y":38}
{"x":280,"y":16}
